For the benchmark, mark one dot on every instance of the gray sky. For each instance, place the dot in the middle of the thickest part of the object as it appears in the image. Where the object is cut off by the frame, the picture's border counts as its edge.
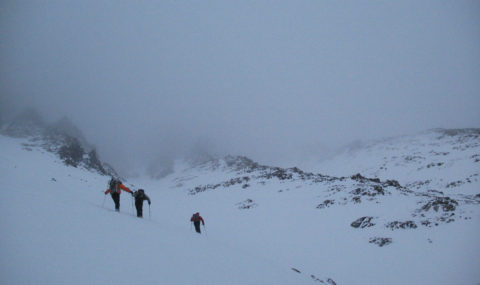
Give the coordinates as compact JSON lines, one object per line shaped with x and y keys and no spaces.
{"x":266,"y":79}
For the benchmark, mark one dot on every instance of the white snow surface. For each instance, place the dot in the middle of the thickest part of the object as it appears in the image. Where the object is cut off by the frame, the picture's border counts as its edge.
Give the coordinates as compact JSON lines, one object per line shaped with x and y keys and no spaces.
{"x":58,"y":227}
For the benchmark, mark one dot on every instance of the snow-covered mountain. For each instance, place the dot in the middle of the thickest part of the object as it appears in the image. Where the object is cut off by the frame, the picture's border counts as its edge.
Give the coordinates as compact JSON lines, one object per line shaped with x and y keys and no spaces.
{"x":62,"y":138}
{"x":399,"y":211}
{"x":436,"y":160}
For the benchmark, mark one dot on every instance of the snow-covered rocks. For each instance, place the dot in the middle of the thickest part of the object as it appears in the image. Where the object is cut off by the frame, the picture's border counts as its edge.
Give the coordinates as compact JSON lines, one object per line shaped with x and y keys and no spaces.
{"x":363,"y":222}
{"x":380,"y":241}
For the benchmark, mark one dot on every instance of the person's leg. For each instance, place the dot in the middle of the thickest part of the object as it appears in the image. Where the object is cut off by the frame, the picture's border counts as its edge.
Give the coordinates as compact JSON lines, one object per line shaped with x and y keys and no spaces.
{"x":197,"y":226}
{"x":116,"y":200}
{"x":139,"y":206}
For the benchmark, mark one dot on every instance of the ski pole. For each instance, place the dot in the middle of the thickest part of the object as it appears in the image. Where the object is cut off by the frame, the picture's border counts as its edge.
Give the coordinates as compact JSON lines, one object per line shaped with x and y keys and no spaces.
{"x":104,"y":196}
{"x":149,"y":212}
{"x":191,"y":226}
{"x":132,"y":206}
{"x":205,"y":230}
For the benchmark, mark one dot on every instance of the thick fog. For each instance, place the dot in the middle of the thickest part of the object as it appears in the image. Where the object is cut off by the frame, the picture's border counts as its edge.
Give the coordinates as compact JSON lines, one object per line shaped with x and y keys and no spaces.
{"x":277,"y":81}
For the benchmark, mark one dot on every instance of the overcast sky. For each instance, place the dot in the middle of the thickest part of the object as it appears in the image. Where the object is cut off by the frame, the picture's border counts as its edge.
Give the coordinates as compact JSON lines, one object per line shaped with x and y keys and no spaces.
{"x":266,"y":79}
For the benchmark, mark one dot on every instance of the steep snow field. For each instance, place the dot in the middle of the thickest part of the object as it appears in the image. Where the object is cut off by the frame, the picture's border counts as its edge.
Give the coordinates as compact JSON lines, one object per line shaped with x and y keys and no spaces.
{"x":59,"y":228}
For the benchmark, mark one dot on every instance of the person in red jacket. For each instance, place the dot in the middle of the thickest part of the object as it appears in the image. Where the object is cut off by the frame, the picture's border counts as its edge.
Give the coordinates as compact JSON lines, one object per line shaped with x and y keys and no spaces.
{"x":115,"y":186}
{"x":196,"y":219}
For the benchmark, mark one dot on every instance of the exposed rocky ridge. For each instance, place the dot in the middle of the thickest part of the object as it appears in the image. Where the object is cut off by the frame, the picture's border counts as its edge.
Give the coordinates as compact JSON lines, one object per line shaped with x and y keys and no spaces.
{"x":62,"y":138}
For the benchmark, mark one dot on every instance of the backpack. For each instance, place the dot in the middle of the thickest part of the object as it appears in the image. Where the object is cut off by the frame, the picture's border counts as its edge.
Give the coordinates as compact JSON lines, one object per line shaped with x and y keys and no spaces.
{"x":139,"y":194}
{"x":196,"y":217}
{"x":114,"y":186}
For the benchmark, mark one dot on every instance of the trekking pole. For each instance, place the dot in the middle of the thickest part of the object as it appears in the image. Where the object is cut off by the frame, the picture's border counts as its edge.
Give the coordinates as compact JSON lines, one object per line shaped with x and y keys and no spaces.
{"x":205,"y":230}
{"x":104,"y":196}
{"x":149,"y":212}
{"x":131,"y":205}
{"x":191,"y":226}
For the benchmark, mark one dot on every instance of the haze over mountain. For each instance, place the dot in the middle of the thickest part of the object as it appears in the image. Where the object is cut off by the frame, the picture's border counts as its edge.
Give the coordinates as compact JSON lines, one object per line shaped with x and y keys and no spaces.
{"x":277,"y":82}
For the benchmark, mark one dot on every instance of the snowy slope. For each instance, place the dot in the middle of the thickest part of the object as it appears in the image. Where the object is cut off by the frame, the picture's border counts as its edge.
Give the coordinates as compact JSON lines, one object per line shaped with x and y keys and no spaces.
{"x":439,"y":159}
{"x":264,"y":225}
{"x":56,"y":231}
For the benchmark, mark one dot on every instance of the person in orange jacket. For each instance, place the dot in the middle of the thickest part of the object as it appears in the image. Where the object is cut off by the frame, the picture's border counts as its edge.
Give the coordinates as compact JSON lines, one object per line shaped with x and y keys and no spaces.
{"x":115,"y":186}
{"x":196,"y":219}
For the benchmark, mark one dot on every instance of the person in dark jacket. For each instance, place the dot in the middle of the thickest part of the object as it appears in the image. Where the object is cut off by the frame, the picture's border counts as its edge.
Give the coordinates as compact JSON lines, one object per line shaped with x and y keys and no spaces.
{"x":115,"y":187}
{"x":140,"y":196}
{"x":196,"y":219}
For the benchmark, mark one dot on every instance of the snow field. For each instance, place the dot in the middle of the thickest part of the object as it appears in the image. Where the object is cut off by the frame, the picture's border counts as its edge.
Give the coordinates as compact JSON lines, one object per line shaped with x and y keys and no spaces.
{"x":56,"y":231}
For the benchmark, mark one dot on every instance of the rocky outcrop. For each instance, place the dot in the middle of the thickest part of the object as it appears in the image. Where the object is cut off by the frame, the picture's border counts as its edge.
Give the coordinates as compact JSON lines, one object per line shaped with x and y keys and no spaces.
{"x":395,"y":225}
{"x":363,"y":222}
{"x":445,"y":204}
{"x":325,"y":204}
{"x":380,"y":241}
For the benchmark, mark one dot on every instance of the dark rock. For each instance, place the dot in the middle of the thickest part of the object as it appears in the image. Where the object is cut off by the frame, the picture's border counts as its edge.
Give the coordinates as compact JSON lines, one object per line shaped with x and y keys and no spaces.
{"x":379,"y":189}
{"x":401,"y":225}
{"x":393,"y":183}
{"x":279,"y":173}
{"x":296,"y":270}
{"x":71,"y":153}
{"x":357,"y":177}
{"x":434,"y":164}
{"x":325,"y":204}
{"x":455,"y":184}
{"x":92,"y":162}
{"x":331,"y":282}
{"x":446,"y":204}
{"x":380,"y":241}
{"x":426,"y":223}
{"x":369,"y":191}
{"x":234,"y":181}
{"x":363,"y":222}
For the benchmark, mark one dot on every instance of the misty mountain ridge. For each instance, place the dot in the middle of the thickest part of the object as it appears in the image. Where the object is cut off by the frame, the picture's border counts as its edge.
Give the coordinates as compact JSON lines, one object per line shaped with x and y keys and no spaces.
{"x":61,"y":137}
{"x":410,"y":159}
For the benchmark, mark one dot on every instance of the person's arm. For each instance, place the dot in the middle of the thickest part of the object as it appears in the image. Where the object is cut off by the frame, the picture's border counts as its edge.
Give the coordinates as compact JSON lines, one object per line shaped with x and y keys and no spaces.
{"x":148,"y":198}
{"x":108,"y":191}
{"x":125,"y":188}
{"x":203,"y":222}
